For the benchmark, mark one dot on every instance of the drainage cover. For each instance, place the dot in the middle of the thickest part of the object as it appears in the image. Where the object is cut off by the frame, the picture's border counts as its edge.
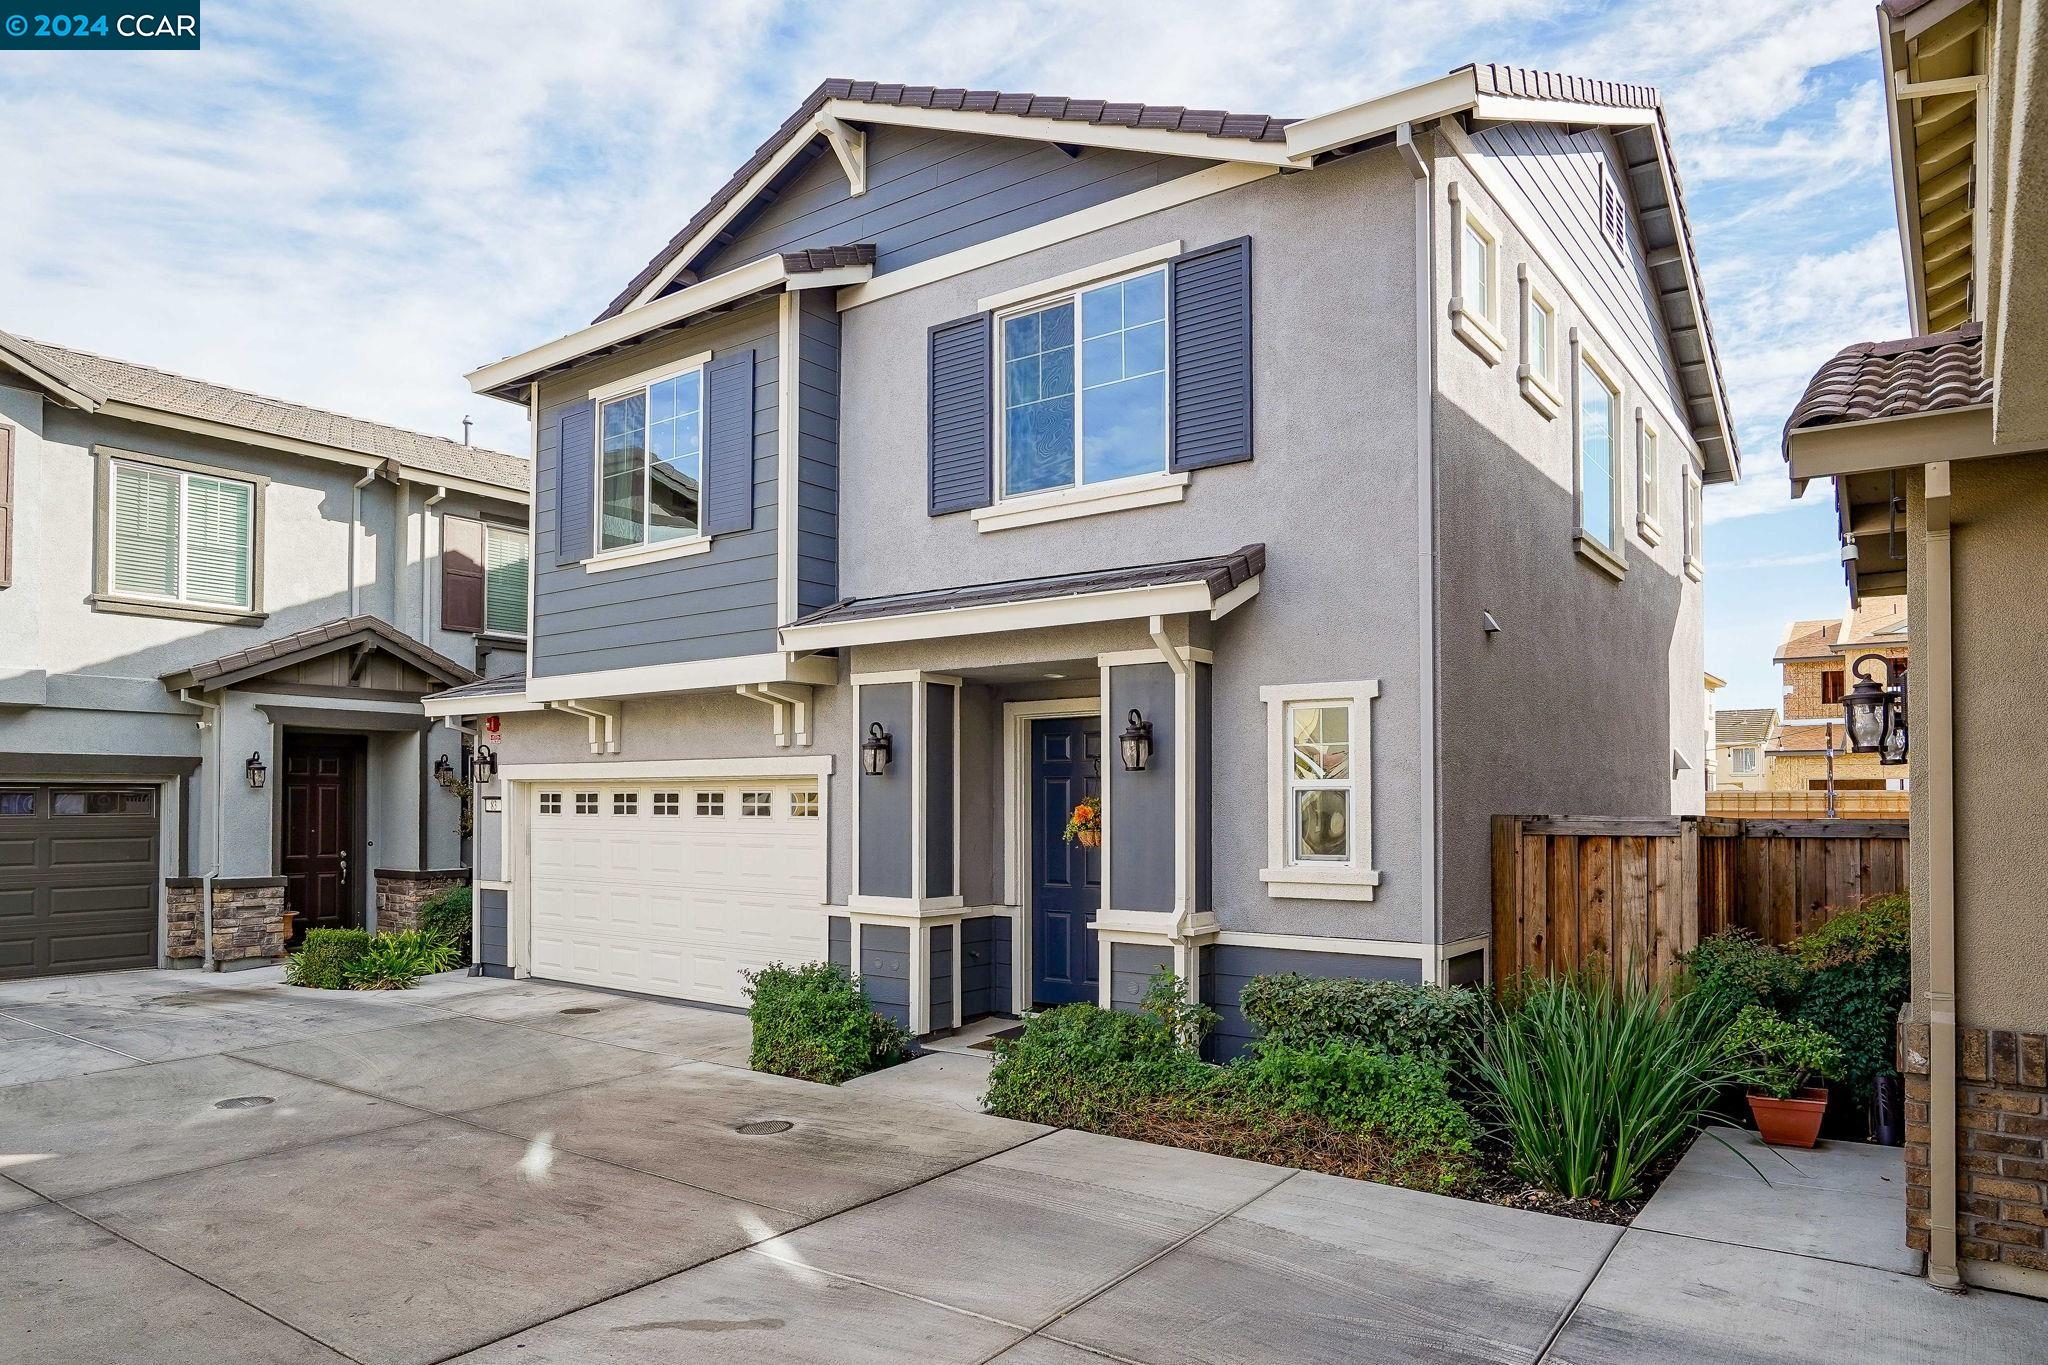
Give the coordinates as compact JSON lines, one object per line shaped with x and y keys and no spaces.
{"x":579,"y":1009}
{"x":766,"y":1126}
{"x":244,"y":1102}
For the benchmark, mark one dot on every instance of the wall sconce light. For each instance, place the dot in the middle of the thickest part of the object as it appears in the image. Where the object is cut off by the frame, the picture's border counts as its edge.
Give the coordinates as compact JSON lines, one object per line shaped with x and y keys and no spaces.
{"x":256,"y":772}
{"x":444,"y":771}
{"x":875,"y":750}
{"x":1136,"y":743}
{"x":1874,"y":713}
{"x":484,"y":763}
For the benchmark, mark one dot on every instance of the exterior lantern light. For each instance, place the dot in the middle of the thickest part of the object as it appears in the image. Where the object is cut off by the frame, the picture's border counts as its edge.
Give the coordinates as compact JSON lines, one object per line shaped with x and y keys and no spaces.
{"x":444,"y":771}
{"x":1874,"y":712}
{"x":874,"y":750}
{"x":1136,"y":743}
{"x":484,"y":763}
{"x":255,"y":772}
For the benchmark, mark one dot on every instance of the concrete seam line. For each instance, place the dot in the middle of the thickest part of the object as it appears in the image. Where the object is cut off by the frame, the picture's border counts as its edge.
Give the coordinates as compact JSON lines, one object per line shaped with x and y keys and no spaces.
{"x":73,"y":1037}
{"x":1776,"y":1251}
{"x":1564,"y":1318}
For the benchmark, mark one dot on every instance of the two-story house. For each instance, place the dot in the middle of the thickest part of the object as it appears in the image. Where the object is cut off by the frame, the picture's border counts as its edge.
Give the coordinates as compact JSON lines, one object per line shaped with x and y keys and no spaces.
{"x":1292,"y":495}
{"x":218,"y":613}
{"x":1742,"y":740}
{"x":1809,"y":752}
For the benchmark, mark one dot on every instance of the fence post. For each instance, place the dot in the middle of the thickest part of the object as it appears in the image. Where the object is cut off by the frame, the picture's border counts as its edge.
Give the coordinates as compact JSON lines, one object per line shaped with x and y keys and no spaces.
{"x":1507,"y":895}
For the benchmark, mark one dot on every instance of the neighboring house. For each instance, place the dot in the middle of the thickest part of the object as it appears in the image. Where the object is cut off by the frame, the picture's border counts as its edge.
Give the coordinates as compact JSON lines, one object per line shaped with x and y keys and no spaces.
{"x":1305,"y":492}
{"x":218,"y":613}
{"x":1938,"y":448}
{"x":1714,"y":683}
{"x":1742,"y":740}
{"x":1818,"y":659}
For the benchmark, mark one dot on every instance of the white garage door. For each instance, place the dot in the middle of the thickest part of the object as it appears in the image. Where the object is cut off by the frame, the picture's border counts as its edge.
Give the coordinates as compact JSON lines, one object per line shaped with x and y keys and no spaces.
{"x":674,"y":888}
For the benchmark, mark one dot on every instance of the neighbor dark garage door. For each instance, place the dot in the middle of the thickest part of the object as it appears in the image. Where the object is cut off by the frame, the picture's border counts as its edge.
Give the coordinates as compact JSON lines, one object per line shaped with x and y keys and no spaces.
{"x":78,"y":879}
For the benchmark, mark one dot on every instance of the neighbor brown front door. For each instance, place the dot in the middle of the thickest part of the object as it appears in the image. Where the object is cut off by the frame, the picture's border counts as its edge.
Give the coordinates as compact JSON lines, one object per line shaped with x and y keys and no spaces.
{"x":320,"y":774}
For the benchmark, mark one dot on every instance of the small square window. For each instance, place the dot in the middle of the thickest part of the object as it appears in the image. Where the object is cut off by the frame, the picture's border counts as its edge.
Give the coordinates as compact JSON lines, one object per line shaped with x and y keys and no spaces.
{"x":711,"y":804}
{"x":803,"y":805}
{"x":586,"y":803}
{"x":756,"y":805}
{"x":668,"y":803}
{"x":625,"y":803}
{"x":550,"y":803}
{"x":17,"y":803}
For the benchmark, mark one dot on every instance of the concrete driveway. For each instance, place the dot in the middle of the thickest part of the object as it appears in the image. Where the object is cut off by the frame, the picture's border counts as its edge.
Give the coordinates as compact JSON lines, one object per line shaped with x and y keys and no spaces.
{"x":225,"y":1168}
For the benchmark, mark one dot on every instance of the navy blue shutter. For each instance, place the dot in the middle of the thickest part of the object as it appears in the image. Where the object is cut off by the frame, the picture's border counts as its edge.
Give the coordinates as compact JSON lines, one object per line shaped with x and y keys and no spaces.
{"x":961,"y":440}
{"x":1212,"y":355}
{"x":575,"y":472}
{"x":729,"y":443}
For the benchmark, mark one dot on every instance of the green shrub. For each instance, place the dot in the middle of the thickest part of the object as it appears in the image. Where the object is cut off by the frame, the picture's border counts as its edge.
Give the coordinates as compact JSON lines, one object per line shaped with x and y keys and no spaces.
{"x":1781,"y":1056}
{"x":1436,"y":1023}
{"x":1187,"y":1021}
{"x":393,"y":962}
{"x":814,"y":1022}
{"x":1858,"y":973}
{"x":445,"y":915}
{"x":1735,"y":969}
{"x":1591,"y":1082}
{"x":324,"y":958}
{"x":1080,"y":1066}
{"x":1405,"y":1099}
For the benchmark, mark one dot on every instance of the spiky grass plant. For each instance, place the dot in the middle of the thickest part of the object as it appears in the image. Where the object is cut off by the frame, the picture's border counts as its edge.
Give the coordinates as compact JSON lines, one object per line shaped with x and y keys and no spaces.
{"x":1591,"y":1082}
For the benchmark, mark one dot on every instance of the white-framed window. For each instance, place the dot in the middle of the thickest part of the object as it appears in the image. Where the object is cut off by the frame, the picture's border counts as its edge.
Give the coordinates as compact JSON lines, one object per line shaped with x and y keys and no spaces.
{"x":1319,"y":791}
{"x":668,"y":803}
{"x":711,"y":804}
{"x":586,"y":803}
{"x":1742,"y":760}
{"x":1537,"y":374}
{"x":1595,"y":436}
{"x":550,"y":803}
{"x":803,"y":805}
{"x":1693,"y":513}
{"x":1475,"y":278}
{"x":625,"y":803}
{"x":650,"y":458}
{"x":757,"y":805}
{"x":1082,"y":386}
{"x":180,"y":536}
{"x":1649,"y":480}
{"x":505,"y":555}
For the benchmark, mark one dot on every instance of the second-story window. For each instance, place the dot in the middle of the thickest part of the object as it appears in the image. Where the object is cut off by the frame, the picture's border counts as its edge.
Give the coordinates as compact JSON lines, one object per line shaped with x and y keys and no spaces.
{"x":1084,"y":386}
{"x":504,"y":580}
{"x":1599,"y":413}
{"x":180,"y":536}
{"x":650,"y":462}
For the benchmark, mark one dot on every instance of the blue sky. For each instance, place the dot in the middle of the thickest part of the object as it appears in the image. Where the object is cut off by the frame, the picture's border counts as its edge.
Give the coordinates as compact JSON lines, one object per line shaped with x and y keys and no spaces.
{"x":351,"y":204}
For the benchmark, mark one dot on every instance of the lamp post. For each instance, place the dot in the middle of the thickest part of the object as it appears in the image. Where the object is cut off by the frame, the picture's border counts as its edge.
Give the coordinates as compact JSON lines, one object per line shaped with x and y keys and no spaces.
{"x":1874,"y":711}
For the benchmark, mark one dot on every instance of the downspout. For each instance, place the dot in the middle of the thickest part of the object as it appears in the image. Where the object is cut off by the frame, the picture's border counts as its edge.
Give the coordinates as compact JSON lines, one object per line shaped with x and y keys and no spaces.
{"x":1425,"y":511}
{"x":355,"y":521}
{"x":426,"y":576}
{"x":1933,"y":732}
{"x":1183,"y":802}
{"x":211,"y":721}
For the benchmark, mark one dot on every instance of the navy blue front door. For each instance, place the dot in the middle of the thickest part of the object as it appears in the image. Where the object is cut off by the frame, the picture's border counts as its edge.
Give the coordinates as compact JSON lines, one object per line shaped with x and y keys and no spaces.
{"x":1066,"y":879}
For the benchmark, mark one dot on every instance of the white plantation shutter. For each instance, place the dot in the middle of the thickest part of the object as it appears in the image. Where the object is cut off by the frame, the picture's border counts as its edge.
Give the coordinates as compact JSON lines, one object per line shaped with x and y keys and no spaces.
{"x":145,"y":539}
{"x":504,"y":581}
{"x":219,"y":517}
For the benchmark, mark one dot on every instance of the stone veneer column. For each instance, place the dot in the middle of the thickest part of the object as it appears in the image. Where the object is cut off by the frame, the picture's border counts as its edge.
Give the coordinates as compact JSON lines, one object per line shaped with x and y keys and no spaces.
{"x":2001,"y":1144}
{"x":401,"y":892}
{"x":248,"y":919}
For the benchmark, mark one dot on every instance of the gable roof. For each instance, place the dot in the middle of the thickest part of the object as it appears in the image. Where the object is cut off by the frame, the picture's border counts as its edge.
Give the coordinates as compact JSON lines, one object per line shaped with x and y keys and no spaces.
{"x":1808,"y":640}
{"x":347,"y":633}
{"x":96,"y":382}
{"x":1744,"y":726}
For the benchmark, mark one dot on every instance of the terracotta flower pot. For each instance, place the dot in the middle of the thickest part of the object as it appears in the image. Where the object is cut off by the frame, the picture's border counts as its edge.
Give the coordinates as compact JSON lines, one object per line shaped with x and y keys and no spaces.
{"x":1793,"y":1122}
{"x":1088,"y":838}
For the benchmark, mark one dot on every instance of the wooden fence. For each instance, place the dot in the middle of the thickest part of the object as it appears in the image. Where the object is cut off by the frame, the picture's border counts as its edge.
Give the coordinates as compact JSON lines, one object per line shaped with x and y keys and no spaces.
{"x":1851,"y":805}
{"x":1631,"y":895}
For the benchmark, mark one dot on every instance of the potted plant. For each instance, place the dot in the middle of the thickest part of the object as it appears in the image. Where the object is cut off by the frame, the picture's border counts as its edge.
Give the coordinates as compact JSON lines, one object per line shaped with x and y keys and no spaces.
{"x":1084,"y":825}
{"x":1786,"y":1064}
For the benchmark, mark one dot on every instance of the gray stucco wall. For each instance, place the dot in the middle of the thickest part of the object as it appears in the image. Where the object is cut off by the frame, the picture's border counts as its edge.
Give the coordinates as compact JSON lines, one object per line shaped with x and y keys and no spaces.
{"x":1140,"y":805}
{"x":1575,"y":706}
{"x":1331,"y":493}
{"x":885,"y":799}
{"x":706,"y":606}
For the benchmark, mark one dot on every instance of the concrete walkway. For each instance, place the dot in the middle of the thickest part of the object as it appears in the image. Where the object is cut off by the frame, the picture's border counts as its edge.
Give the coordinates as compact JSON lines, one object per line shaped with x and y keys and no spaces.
{"x":225,"y":1168}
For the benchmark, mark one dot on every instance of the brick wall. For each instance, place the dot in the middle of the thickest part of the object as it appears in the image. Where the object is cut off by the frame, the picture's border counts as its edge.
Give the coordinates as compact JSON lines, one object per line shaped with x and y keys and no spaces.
{"x":2001,"y":1144}
{"x":400,"y":892}
{"x":248,"y":919}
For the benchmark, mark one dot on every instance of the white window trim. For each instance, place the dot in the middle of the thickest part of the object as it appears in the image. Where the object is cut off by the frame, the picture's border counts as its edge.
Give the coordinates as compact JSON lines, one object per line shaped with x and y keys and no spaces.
{"x":1737,"y":757}
{"x":493,"y":529}
{"x":1062,"y":504}
{"x":1649,"y":479}
{"x":1538,"y":388}
{"x":643,"y":552}
{"x":184,"y":479}
{"x":1137,"y":263}
{"x":1005,"y":500}
{"x":1478,"y":330}
{"x":1355,"y":878}
{"x":1607,"y":556}
{"x":1693,"y":521}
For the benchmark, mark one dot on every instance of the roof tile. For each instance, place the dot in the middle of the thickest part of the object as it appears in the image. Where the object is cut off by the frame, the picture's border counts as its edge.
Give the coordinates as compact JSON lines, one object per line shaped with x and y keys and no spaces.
{"x":1905,"y":378}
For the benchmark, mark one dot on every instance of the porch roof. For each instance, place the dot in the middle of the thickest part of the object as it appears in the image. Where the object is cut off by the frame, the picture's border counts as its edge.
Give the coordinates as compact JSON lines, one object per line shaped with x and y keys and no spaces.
{"x":352,"y":632}
{"x":1214,"y":584}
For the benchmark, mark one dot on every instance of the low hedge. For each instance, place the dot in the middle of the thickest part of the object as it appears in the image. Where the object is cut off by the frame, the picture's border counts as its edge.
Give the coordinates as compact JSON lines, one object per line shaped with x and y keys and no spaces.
{"x":814,"y":1022}
{"x":1439,"y":1024}
{"x":350,"y":959}
{"x":445,"y":915}
{"x":324,"y":958}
